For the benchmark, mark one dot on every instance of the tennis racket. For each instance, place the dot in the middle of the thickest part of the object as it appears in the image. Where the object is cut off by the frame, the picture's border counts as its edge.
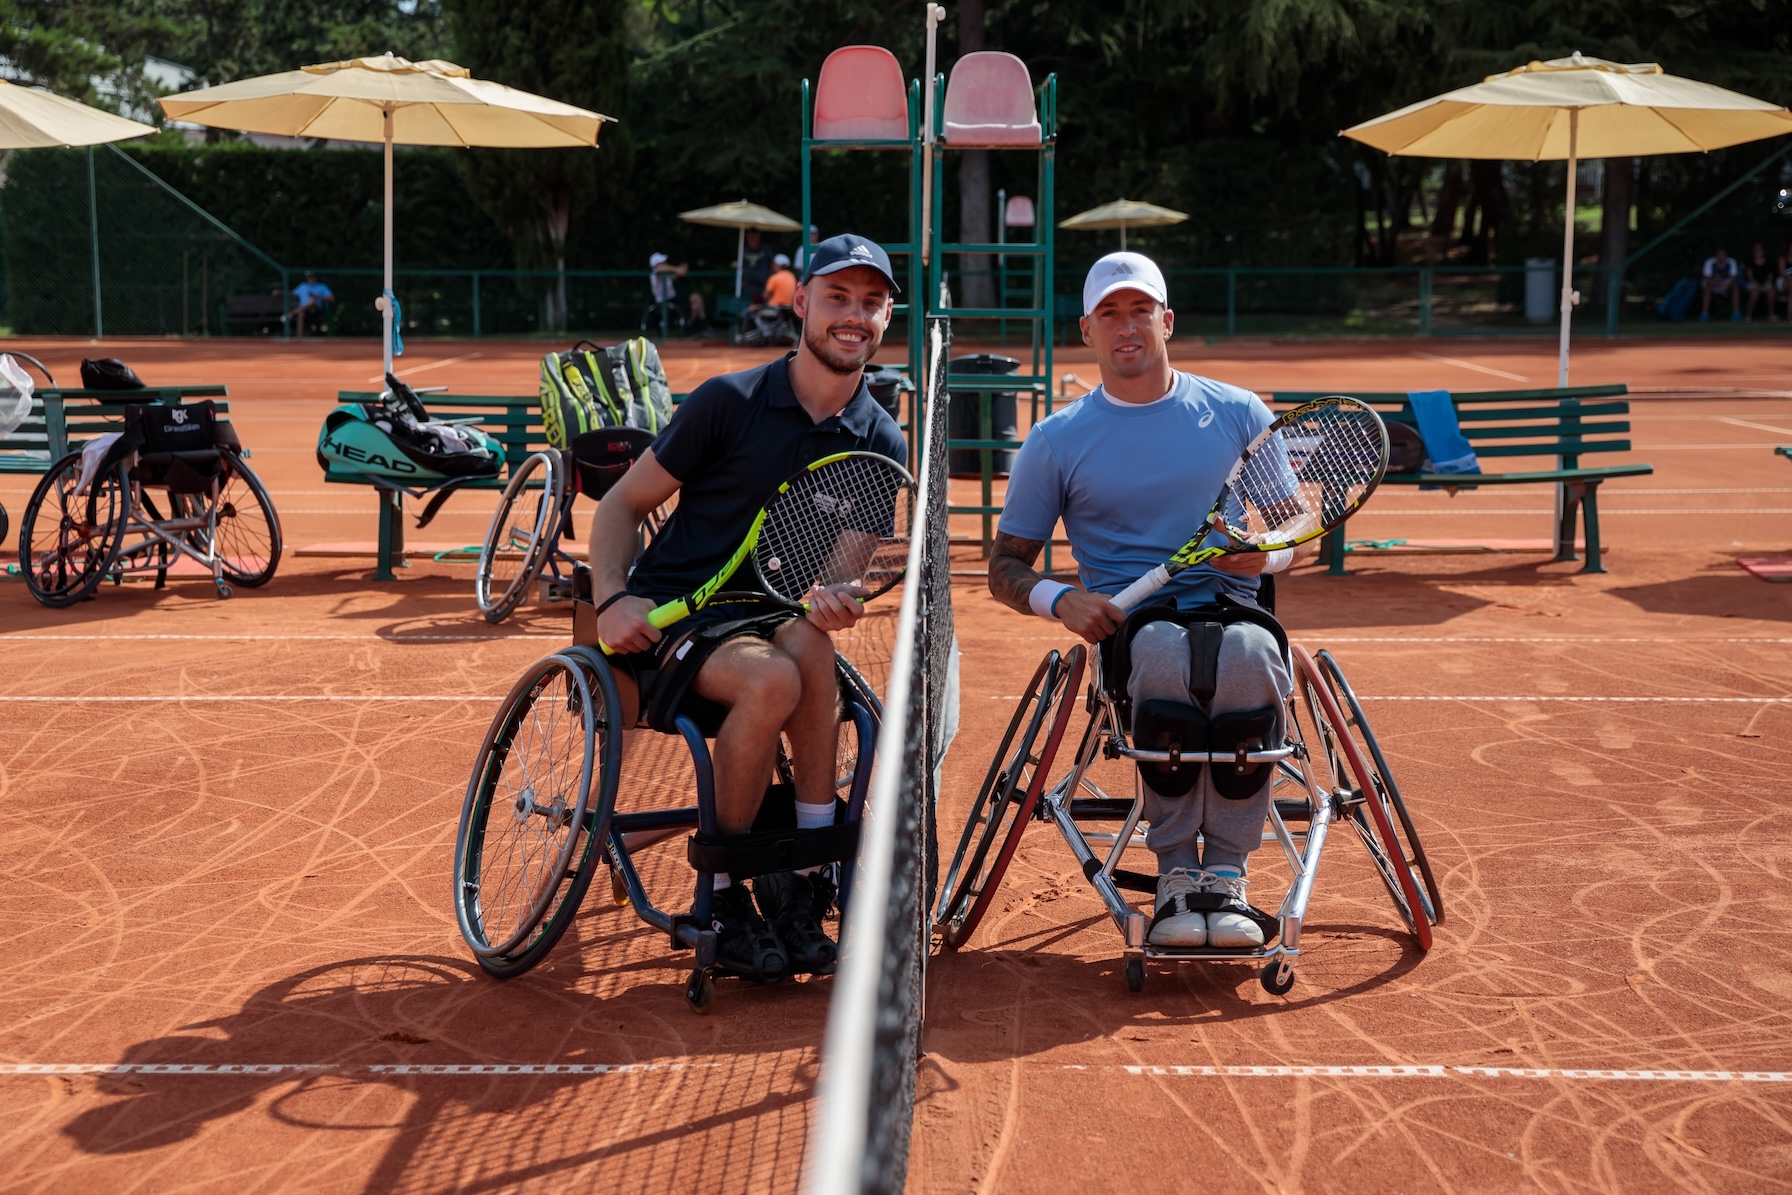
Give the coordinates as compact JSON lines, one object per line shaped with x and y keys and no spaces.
{"x":1301,"y":477}
{"x":843,"y":520}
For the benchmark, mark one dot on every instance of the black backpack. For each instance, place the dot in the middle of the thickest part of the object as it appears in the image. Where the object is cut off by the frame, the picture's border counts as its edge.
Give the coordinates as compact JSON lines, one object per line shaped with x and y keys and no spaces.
{"x":108,"y":373}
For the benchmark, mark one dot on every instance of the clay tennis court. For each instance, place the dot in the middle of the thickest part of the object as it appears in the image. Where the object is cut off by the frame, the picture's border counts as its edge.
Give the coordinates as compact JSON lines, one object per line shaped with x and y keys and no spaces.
{"x":228,"y":829}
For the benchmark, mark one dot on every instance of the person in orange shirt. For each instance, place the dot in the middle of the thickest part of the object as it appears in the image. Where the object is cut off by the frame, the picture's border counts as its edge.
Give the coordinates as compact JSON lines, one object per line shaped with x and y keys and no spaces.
{"x":773,"y":321}
{"x":780,"y":288}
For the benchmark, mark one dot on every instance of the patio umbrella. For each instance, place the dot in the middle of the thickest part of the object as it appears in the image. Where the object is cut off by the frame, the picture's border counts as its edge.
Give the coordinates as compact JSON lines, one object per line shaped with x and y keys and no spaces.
{"x":31,"y":119}
{"x":741,"y":215}
{"x":1123,"y":213}
{"x":394,"y":101}
{"x":1569,"y":108}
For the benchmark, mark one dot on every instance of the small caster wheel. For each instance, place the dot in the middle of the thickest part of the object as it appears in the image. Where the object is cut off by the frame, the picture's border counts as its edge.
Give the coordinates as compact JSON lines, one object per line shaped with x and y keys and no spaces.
{"x":1278,"y":978}
{"x":699,"y":991}
{"x":1135,"y":974}
{"x":618,"y":889}
{"x":224,"y":590}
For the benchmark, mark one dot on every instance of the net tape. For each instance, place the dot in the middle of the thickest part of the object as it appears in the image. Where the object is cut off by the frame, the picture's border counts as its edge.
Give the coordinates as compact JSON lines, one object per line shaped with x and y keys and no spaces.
{"x":1312,"y":471}
{"x":865,"y":1106}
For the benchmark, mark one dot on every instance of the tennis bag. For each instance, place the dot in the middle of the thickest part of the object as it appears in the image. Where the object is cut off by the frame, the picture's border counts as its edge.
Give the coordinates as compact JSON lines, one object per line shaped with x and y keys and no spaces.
{"x":394,"y":438}
{"x":588,"y":388}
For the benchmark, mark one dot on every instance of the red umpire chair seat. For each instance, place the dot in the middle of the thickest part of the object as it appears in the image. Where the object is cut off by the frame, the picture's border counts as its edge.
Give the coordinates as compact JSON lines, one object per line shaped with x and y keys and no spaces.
{"x":861,"y":97}
{"x":989,"y":103}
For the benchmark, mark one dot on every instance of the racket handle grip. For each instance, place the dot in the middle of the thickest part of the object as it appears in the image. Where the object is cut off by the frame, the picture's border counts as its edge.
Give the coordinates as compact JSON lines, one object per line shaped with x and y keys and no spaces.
{"x":1141,"y":589}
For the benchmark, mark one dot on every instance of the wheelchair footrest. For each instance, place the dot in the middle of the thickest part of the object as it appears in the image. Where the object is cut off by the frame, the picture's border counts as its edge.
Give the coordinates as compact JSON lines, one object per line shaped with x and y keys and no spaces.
{"x":745,"y":855}
{"x":1130,"y":881}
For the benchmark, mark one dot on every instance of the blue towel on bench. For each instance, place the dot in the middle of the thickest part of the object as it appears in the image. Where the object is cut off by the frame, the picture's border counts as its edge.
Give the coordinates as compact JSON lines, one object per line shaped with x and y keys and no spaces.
{"x":1448,"y":450}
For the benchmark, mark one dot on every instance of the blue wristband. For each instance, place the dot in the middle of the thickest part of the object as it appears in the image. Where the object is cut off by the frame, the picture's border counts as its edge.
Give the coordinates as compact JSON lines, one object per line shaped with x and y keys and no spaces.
{"x":1059,"y":598}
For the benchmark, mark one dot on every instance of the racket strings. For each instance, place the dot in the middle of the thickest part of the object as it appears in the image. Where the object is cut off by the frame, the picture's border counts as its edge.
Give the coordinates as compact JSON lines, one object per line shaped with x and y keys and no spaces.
{"x":1310,"y":474}
{"x":843,"y":523}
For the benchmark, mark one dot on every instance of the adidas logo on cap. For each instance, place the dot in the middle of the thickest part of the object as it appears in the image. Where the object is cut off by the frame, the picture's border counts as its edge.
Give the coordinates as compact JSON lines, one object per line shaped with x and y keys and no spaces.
{"x":861,"y":251}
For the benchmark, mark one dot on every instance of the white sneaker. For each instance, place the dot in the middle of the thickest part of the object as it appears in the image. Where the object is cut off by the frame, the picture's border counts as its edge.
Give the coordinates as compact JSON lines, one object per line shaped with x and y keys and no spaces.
{"x":1174,"y":924}
{"x":1231,"y":928}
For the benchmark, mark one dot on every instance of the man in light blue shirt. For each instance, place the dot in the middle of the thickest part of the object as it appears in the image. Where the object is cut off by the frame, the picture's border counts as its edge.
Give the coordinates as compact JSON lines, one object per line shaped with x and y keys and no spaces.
{"x":1131,"y":469}
{"x":311,"y":295}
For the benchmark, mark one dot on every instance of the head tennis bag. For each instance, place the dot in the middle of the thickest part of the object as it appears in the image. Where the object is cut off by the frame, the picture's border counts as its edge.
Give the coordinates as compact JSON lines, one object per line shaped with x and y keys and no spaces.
{"x":588,"y":388}
{"x":394,"y":438}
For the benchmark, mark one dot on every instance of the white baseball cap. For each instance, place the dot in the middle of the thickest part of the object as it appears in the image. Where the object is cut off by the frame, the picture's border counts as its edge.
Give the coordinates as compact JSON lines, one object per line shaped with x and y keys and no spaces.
{"x":1123,"y":271}
{"x":657,"y":259}
{"x":780,"y":260}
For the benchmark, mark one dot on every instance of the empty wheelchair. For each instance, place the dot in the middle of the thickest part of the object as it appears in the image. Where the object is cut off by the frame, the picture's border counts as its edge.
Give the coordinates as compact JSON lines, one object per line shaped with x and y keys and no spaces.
{"x":533,"y":522}
{"x":545,"y":811}
{"x":1328,"y":770}
{"x":173,"y":486}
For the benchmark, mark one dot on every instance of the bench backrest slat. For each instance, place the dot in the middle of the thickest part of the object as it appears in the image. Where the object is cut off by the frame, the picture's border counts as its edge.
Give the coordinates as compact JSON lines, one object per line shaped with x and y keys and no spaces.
{"x":62,"y":418}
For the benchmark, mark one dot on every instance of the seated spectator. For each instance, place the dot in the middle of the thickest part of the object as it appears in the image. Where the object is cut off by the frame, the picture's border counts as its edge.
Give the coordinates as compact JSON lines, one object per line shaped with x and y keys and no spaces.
{"x":802,"y":251}
{"x":755,"y":266}
{"x":311,"y":295}
{"x":1761,"y":276}
{"x":662,"y":282}
{"x":780,"y":288}
{"x":1720,"y":276}
{"x":772,"y":321}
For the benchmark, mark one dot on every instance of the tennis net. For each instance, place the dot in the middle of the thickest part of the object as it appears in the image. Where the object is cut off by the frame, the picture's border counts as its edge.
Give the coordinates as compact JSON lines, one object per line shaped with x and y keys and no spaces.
{"x":865,"y":1107}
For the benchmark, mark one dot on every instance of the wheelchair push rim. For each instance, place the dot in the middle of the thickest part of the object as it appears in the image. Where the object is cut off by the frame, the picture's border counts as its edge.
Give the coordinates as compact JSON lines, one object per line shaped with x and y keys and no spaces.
{"x":1357,"y":723}
{"x":520,"y":534}
{"x":999,"y":813}
{"x":68,"y":543}
{"x":529,"y":856}
{"x":1350,"y":775}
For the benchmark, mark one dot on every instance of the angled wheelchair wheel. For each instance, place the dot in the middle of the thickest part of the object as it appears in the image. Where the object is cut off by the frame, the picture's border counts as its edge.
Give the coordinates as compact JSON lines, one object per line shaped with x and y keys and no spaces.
{"x":1341,"y":769}
{"x":68,"y":542}
{"x":1386,"y":790}
{"x":1009,"y":795}
{"x":249,"y":542}
{"x":5,"y":524}
{"x":536,"y":810}
{"x":516,"y":545}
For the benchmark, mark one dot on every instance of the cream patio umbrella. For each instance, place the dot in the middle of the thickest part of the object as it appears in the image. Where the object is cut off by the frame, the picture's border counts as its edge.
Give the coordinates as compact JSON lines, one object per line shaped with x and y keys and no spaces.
{"x":741,"y":215}
{"x":31,"y":119}
{"x":1572,"y":108}
{"x":395,"y":102}
{"x":1123,"y":213}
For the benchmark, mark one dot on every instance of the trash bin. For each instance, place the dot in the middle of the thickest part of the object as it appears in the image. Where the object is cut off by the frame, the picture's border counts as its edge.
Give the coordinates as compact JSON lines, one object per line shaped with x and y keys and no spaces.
{"x":1541,"y":296}
{"x":886,"y":385}
{"x":966,"y":417}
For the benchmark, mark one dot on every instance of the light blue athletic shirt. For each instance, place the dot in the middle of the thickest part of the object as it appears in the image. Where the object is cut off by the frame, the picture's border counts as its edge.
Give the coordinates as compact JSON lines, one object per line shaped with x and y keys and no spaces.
{"x":1133,"y":482}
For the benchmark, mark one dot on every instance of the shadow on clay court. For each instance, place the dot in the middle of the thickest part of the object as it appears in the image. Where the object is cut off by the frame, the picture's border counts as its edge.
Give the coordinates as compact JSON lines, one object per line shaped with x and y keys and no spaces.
{"x":1724,"y":590}
{"x":346,"y":1019}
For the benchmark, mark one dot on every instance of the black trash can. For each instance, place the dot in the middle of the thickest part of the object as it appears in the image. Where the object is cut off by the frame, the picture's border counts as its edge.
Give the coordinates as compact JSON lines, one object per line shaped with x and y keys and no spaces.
{"x":966,"y":417}
{"x":886,"y":385}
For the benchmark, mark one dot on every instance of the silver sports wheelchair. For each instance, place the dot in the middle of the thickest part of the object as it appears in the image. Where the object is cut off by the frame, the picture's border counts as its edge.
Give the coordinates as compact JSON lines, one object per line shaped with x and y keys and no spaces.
{"x":1329,"y":769}
{"x":173,"y":485}
{"x":544,"y":810}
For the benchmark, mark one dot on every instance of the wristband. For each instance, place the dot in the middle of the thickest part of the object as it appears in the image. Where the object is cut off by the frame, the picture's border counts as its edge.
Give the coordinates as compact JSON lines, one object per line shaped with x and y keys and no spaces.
{"x":1278,"y":560}
{"x":1045,"y":597}
{"x":611,"y":601}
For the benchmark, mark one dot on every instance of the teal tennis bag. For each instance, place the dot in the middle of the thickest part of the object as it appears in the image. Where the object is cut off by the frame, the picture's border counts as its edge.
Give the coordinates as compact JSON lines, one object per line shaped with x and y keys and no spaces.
{"x":393,"y":438}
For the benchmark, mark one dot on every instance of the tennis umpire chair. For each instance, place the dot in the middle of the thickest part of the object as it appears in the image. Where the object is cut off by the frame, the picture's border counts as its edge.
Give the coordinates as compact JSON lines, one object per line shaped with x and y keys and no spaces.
{"x":1329,"y":769}
{"x":541,"y":812}
{"x":172,"y":485}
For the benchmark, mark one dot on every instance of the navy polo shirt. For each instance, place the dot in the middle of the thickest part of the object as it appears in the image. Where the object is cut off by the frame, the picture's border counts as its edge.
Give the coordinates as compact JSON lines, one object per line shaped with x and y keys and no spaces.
{"x":734,"y":441}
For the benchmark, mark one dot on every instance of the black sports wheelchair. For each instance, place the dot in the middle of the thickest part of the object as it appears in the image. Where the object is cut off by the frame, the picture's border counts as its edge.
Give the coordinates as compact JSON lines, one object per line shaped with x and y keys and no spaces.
{"x":541,"y":812}
{"x":173,"y":485}
{"x":1329,"y":769}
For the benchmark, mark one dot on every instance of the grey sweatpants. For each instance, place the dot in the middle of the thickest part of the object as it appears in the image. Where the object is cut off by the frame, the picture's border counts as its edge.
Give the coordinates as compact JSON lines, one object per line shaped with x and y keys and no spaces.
{"x":1251,"y":676}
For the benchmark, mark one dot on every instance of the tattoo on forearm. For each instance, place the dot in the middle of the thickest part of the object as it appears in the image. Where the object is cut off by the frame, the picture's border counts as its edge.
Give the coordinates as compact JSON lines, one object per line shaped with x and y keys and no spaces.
{"x":1011,"y":575}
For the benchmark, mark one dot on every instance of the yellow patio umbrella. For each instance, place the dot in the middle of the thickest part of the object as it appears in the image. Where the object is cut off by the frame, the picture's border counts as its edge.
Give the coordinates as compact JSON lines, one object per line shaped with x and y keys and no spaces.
{"x":390,"y":100}
{"x":740,"y":215}
{"x":1569,"y":108}
{"x":1123,"y":213}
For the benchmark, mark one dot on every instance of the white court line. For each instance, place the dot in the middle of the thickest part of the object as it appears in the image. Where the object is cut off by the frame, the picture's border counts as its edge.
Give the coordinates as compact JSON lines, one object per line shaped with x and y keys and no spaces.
{"x":1393,"y":511}
{"x":1764,"y":427}
{"x":247,"y":698}
{"x":1451,"y":1072}
{"x":1498,"y":373}
{"x":1532,"y":639}
{"x":282,"y":638}
{"x":380,"y":377}
{"x":1466,"y":698}
{"x":312,"y":1068}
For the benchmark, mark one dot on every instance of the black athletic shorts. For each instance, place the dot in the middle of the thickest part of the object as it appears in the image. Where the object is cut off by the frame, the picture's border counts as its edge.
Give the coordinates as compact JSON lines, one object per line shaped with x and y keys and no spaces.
{"x":665,"y":672}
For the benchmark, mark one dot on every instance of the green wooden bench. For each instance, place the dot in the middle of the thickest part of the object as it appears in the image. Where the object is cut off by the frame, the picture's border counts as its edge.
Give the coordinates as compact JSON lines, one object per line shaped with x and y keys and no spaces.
{"x":514,"y":420}
{"x":1564,"y":424}
{"x":61,"y":420}
{"x":1784,"y":450}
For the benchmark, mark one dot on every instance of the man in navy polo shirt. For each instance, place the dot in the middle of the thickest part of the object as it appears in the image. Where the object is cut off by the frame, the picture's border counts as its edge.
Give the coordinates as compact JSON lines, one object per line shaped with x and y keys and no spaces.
{"x":733,"y":442}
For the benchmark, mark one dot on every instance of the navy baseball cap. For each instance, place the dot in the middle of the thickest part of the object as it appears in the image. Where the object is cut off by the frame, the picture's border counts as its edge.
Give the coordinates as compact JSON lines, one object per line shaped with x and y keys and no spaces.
{"x":846,"y":251}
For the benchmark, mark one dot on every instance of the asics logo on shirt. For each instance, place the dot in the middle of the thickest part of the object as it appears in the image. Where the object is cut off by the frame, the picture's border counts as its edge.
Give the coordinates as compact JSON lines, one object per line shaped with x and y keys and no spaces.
{"x":1206,"y":418}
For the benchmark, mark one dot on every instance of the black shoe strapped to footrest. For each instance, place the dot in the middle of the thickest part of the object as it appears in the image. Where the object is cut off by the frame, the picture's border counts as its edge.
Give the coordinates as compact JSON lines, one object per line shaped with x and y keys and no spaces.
{"x":745,"y":944}
{"x":1173,"y":726}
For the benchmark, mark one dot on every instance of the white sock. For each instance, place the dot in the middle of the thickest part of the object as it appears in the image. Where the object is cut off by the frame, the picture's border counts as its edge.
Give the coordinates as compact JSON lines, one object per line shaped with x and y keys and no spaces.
{"x":722,"y":880}
{"x":814,"y":817}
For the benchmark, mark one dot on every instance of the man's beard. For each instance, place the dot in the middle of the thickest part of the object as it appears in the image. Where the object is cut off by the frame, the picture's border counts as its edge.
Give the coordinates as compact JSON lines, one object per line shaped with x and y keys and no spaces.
{"x":829,"y":354}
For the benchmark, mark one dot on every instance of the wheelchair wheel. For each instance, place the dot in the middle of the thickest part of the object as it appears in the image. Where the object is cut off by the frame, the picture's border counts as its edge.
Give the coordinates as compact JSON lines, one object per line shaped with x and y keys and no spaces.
{"x":1382,"y":776}
{"x":5,"y":524}
{"x":1009,"y":795}
{"x":1342,"y":772}
{"x":249,"y":541}
{"x":68,"y":542}
{"x":524,"y":853}
{"x":517,"y":543}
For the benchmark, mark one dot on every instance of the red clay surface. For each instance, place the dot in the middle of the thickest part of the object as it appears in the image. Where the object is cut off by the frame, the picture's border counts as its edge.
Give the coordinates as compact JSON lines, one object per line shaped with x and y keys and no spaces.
{"x":264,"y":883}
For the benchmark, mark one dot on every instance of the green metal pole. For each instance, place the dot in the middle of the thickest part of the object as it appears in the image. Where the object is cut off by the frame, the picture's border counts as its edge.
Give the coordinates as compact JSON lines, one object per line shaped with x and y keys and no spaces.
{"x":93,"y":228}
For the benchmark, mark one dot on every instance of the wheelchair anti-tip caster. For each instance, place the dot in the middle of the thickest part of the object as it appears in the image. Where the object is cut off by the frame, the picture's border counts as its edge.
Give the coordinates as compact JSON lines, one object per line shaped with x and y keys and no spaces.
{"x":224,"y":590}
{"x":699,"y":991}
{"x":1278,"y":977}
{"x":1135,"y":974}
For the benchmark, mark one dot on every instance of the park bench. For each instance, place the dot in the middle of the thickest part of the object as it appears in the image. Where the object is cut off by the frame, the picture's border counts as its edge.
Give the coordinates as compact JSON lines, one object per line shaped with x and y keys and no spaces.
{"x":260,"y":315}
{"x":1564,"y":424}
{"x":61,"y":420}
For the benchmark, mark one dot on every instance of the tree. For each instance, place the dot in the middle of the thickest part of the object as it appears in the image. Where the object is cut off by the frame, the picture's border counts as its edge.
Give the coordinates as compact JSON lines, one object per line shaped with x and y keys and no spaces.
{"x":574,"y":51}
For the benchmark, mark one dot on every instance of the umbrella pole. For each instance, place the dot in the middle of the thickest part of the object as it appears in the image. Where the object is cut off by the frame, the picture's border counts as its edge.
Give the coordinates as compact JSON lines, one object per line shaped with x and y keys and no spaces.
{"x":740,"y":256}
{"x":1568,"y":251}
{"x":1123,"y":236}
{"x":385,"y":301}
{"x":93,"y":229}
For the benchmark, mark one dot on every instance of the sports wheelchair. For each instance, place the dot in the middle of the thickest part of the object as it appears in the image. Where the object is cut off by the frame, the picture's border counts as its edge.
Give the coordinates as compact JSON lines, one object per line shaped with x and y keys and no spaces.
{"x":99,"y":512}
{"x":534,"y":518}
{"x":1329,"y":769}
{"x":540,"y":815}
